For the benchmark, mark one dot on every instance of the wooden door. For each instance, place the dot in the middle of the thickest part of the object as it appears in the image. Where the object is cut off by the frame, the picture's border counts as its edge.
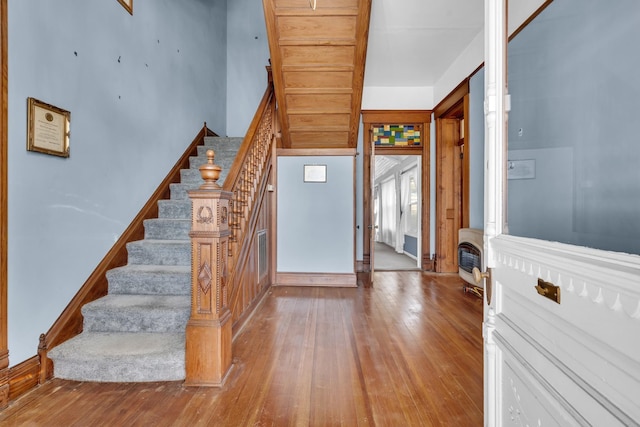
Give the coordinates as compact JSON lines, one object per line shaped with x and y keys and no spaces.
{"x":448,"y":194}
{"x":561,"y":323}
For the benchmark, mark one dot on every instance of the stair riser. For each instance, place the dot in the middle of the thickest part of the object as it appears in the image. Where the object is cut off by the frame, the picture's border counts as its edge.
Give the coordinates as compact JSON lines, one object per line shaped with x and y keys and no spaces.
{"x":106,"y":357}
{"x":160,"y":254}
{"x":122,"y":281}
{"x":160,"y":368}
{"x":177,"y":209}
{"x":212,"y":140}
{"x":167,"y":229}
{"x":193,"y":175}
{"x":141,"y":320}
{"x":223,"y":143}
{"x":220,"y":151}
{"x":180,"y":191}
{"x":193,"y":179}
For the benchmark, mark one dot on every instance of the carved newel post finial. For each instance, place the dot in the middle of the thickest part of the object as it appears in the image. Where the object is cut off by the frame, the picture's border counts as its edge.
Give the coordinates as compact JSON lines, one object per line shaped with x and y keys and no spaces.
{"x":210,"y":173}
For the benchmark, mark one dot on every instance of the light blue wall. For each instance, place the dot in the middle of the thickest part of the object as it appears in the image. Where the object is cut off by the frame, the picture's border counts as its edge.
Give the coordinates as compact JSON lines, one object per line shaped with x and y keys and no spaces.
{"x":410,"y":245}
{"x":315,"y":220}
{"x":247,"y":57}
{"x":476,"y":150}
{"x":359,"y":195}
{"x":139,"y":89}
{"x":573,"y":78}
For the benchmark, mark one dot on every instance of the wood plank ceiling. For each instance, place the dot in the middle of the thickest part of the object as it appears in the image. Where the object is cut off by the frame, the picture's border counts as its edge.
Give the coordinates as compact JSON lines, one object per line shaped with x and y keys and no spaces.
{"x":318,"y":58}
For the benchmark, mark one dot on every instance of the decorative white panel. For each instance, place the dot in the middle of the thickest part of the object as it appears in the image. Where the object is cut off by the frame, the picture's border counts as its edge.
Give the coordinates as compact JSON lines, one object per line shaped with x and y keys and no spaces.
{"x":582,"y":354}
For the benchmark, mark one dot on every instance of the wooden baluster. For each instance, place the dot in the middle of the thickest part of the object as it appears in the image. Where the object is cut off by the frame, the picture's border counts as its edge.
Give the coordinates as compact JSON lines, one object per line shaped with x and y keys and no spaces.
{"x":208,"y":333}
{"x":245,"y":194}
{"x":233,"y":237}
{"x":243,"y":191}
{"x":252,"y":175}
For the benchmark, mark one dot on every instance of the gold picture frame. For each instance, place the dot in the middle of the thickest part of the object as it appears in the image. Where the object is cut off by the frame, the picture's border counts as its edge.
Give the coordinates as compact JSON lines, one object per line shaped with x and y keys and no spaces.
{"x":47,"y":128}
{"x":127,"y":4}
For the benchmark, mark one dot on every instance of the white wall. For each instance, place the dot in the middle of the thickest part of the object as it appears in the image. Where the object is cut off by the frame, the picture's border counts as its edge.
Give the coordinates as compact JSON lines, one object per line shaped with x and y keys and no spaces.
{"x":139,"y":89}
{"x":397,"y":98}
{"x":473,"y":55}
{"x":247,"y":57}
{"x":315,"y":220}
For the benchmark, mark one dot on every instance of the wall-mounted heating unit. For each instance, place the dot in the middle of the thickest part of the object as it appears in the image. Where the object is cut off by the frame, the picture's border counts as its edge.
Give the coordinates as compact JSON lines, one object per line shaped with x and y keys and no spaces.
{"x":470,"y":255}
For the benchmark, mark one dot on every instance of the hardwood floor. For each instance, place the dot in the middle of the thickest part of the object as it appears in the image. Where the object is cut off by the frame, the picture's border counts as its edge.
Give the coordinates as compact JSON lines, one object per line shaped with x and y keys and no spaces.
{"x":405,"y":352}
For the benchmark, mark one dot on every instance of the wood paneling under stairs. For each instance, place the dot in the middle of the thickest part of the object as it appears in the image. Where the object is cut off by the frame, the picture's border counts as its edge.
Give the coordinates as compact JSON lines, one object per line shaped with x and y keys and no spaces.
{"x":405,"y":352}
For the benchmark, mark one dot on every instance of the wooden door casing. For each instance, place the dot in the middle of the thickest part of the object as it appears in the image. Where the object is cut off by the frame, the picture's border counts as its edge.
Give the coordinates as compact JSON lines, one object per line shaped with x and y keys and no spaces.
{"x":421,"y":118}
{"x":452,"y":175}
{"x":4,"y":202}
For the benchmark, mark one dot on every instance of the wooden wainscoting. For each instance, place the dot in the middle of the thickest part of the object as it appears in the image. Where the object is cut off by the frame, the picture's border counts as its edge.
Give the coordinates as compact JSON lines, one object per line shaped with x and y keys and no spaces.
{"x":246,"y":297}
{"x":24,"y":376}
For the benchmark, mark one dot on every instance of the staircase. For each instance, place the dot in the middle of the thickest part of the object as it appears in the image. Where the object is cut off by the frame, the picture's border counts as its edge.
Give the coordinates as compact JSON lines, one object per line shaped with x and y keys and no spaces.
{"x":136,"y":333}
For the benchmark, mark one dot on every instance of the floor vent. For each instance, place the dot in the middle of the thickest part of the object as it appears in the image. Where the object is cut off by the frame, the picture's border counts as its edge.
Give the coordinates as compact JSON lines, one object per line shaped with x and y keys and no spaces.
{"x":262,"y":254}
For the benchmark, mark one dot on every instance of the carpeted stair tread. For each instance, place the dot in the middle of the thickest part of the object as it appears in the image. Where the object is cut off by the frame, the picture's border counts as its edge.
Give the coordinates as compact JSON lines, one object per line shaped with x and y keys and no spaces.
{"x":121,"y":357}
{"x":137,"y":313}
{"x":150,"y":279}
{"x":179,"y":191}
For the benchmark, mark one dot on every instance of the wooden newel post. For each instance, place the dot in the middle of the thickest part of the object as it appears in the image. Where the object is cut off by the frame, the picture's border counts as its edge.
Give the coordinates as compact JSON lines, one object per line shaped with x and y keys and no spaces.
{"x":208,"y":333}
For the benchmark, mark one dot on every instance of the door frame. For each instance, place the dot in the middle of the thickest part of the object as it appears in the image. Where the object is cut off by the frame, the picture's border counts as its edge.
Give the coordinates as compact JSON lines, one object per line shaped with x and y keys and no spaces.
{"x":452,"y":176}
{"x":4,"y":205}
{"x":379,"y":117}
{"x":496,"y":102}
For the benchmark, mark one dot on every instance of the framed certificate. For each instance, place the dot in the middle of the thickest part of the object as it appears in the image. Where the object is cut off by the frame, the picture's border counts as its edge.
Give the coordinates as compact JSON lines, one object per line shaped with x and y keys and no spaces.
{"x":47,"y":128}
{"x":127,"y":4}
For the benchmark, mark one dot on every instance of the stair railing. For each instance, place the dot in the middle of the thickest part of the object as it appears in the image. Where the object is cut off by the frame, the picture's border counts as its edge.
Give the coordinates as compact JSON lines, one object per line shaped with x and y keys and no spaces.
{"x":224,"y":221}
{"x":247,"y":181}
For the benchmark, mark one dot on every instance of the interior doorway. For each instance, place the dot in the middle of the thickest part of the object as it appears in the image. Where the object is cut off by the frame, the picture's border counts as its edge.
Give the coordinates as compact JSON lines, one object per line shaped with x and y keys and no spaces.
{"x":397,"y":212}
{"x":414,"y":123}
{"x":452,"y":176}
